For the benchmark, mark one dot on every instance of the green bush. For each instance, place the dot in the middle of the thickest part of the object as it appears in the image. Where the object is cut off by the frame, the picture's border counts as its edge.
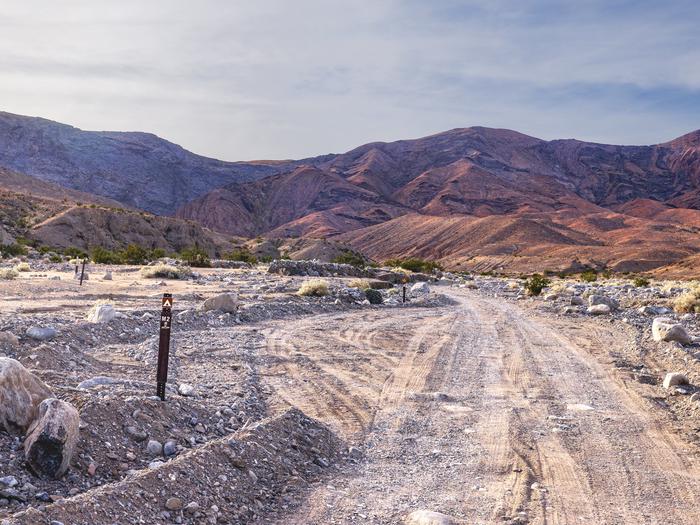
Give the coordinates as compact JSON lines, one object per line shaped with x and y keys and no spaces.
{"x":640,"y":282}
{"x":374,"y":296}
{"x":196,"y":257}
{"x":103,"y":256}
{"x":134,"y":254}
{"x":55,"y":258}
{"x":414,"y":264}
{"x":12,"y":250}
{"x":351,"y":258}
{"x":165,"y":271}
{"x":535,"y":284}
{"x":75,"y":253}
{"x":589,"y":276}
{"x":241,"y":254}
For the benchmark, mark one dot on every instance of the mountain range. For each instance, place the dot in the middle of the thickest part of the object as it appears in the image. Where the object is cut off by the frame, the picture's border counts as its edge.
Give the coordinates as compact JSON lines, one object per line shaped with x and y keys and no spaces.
{"x":472,"y":198}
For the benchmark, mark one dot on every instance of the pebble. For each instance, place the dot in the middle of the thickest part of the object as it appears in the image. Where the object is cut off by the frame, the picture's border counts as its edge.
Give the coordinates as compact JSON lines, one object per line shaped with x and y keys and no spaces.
{"x":154,"y":448}
{"x":173,"y":504}
{"x":170,"y":448}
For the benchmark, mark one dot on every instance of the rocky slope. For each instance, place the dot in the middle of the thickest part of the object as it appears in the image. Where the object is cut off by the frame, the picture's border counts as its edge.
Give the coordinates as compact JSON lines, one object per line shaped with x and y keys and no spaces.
{"x":137,"y":169}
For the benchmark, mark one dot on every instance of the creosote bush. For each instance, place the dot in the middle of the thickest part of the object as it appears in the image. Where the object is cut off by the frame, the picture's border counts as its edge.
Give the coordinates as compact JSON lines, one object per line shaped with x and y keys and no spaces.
{"x":640,"y":282}
{"x":535,"y":284}
{"x":352,"y":258}
{"x":23,"y":267}
{"x":589,"y":276}
{"x":689,"y":301}
{"x":314,"y":288}
{"x":362,"y":284}
{"x":7,"y":274}
{"x":165,"y":271}
{"x":414,"y":264}
{"x":374,"y":296}
{"x":241,"y":254}
{"x":196,"y":257}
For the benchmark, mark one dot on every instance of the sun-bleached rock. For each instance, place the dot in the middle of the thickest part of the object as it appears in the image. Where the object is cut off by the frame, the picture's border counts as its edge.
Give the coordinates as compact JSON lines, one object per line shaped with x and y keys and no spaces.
{"x":20,"y":395}
{"x":664,"y":329}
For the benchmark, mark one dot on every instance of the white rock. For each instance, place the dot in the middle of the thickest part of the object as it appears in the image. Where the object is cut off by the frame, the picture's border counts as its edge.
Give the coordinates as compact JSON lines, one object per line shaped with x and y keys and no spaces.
{"x":420,"y":288}
{"x":427,"y":517}
{"x":101,"y":313}
{"x":185,"y":389}
{"x":599,"y":309}
{"x":664,"y":329}
{"x":226,"y":302}
{"x":675,"y":378}
{"x":594,"y":300}
{"x":107,"y":276}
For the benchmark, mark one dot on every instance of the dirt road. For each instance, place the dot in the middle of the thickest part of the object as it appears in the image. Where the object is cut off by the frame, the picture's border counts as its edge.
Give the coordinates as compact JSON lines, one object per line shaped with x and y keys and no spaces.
{"x":482,"y":411}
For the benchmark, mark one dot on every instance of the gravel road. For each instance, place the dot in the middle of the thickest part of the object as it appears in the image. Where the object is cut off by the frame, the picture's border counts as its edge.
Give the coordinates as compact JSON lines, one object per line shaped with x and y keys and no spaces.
{"x":483,"y":411}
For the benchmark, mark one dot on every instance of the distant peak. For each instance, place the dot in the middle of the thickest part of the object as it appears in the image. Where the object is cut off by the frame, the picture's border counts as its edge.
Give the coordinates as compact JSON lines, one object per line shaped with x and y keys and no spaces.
{"x":691,"y":139}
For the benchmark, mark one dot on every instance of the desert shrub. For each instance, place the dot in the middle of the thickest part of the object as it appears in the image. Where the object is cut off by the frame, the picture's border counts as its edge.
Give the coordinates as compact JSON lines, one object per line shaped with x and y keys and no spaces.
{"x":103,"y":256}
{"x":165,"y":271}
{"x":352,"y":258}
{"x":55,"y":258}
{"x":134,"y":254}
{"x":23,"y":267}
{"x":314,"y":288}
{"x":12,"y":250}
{"x":640,"y":282}
{"x":157,"y":253}
{"x":196,"y":257}
{"x":75,"y":253}
{"x":7,"y":274}
{"x":535,"y":284}
{"x":688,"y":301}
{"x":414,"y":264}
{"x":589,"y":276}
{"x":266,"y":259}
{"x":241,"y":254}
{"x":362,"y":284}
{"x":374,"y":296}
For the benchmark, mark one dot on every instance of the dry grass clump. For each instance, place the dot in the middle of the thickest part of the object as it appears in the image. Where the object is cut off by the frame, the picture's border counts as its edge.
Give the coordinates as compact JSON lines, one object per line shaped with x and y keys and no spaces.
{"x":7,"y":274}
{"x":314,"y":288}
{"x":688,"y":301}
{"x":165,"y":271}
{"x":362,"y":284}
{"x":23,"y":267}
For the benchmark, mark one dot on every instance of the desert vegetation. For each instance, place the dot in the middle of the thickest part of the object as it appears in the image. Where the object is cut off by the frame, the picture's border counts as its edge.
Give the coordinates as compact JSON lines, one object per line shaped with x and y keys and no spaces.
{"x":166,"y":271}
{"x":414,"y":264}
{"x":314,"y":288}
{"x":535,"y":284}
{"x":689,"y":301}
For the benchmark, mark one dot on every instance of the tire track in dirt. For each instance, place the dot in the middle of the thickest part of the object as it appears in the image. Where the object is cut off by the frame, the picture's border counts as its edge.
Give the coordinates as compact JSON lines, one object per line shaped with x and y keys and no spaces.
{"x":481,"y":411}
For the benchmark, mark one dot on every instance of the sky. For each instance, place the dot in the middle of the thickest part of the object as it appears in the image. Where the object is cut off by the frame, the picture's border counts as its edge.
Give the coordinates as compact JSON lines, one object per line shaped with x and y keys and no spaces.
{"x":273,"y":79}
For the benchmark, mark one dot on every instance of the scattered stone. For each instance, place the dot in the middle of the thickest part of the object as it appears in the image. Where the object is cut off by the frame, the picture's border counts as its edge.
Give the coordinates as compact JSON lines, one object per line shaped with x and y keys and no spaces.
{"x":174,"y":504}
{"x":52,"y":438}
{"x":595,"y":300}
{"x":599,"y":309}
{"x":9,"y":481}
{"x":185,"y":389}
{"x":20,"y":395}
{"x":576,"y":300}
{"x":675,"y":378}
{"x":41,"y":333}
{"x":664,"y":329}
{"x":170,"y":448}
{"x":8,"y":339}
{"x":107,"y":276}
{"x":427,"y":517}
{"x":154,"y":448}
{"x":226,"y":302}
{"x":420,"y":288}
{"x":101,"y":313}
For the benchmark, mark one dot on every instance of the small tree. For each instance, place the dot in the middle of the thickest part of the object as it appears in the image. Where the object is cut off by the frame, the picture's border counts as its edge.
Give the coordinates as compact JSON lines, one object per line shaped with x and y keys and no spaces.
{"x":196,"y":257}
{"x":589,"y":276}
{"x":535,"y":284}
{"x":134,"y":254}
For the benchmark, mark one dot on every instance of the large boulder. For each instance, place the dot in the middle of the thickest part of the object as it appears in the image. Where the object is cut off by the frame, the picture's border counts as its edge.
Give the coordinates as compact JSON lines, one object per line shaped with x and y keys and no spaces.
{"x":52,"y":438}
{"x":20,"y":395}
{"x":664,"y":329}
{"x":427,"y":517}
{"x":226,"y":302}
{"x":594,"y":300}
{"x":101,"y":313}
